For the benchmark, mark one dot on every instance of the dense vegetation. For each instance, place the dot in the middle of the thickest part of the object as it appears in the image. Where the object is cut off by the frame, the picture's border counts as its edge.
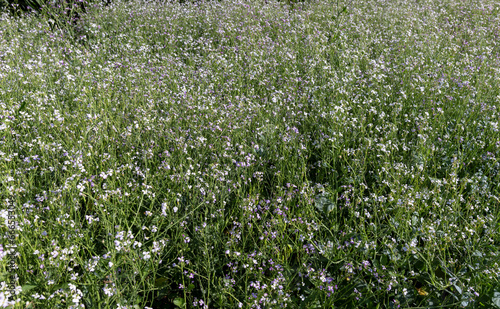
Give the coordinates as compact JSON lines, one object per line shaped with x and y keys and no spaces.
{"x":253,"y":154}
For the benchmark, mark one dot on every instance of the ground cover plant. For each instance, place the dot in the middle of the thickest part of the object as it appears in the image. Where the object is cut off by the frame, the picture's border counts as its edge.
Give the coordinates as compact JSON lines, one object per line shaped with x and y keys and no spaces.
{"x":252,"y":154}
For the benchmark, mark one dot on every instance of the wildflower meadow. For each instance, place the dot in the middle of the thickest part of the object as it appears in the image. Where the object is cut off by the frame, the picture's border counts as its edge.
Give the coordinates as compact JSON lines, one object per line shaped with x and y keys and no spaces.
{"x":251,"y":154}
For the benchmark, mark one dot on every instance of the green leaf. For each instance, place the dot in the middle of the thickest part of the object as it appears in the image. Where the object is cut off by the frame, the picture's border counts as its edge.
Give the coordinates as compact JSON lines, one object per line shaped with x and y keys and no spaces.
{"x":322,"y":203}
{"x":30,"y":305}
{"x":63,"y":286}
{"x":478,"y":253}
{"x":28,"y":287}
{"x":160,"y":282}
{"x":179,"y":302}
{"x":496,"y":299}
{"x":384,"y":260}
{"x":190,"y":287}
{"x":4,"y":275}
{"x":33,"y":4}
{"x":22,"y":107}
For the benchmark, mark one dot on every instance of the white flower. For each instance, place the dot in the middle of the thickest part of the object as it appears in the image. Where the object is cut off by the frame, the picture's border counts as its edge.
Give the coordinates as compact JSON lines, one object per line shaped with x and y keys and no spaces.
{"x":164,"y":208}
{"x":109,"y":291}
{"x":4,"y":301}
